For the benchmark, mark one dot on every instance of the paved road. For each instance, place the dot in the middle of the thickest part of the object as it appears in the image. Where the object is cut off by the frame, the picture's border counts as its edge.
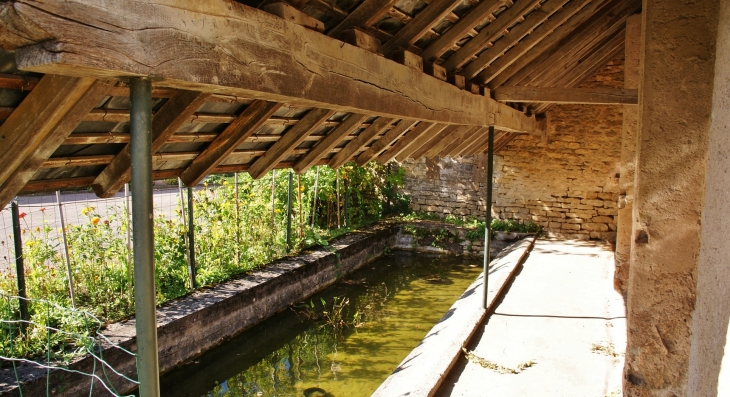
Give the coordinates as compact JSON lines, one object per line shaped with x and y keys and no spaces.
{"x":562,"y":312}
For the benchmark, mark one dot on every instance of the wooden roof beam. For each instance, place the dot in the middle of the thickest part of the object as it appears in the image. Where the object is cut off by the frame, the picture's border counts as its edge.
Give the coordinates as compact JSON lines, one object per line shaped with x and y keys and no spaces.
{"x":360,"y":141}
{"x":553,"y":9}
{"x":405,"y":142}
{"x":432,"y":141}
{"x":489,"y":33}
{"x":28,"y":127}
{"x":289,"y":141}
{"x":363,"y":16}
{"x":448,"y":140}
{"x":600,"y":96}
{"x":503,"y":69}
{"x":385,"y":141}
{"x":482,"y":11}
{"x":166,"y":121}
{"x":451,"y":149}
{"x":35,"y":160}
{"x":240,"y":51}
{"x":421,"y":23}
{"x":337,"y":135}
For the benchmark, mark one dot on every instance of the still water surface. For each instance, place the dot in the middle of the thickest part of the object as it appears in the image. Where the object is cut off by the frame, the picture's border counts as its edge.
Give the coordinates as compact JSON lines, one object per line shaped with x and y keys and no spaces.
{"x":322,"y":347}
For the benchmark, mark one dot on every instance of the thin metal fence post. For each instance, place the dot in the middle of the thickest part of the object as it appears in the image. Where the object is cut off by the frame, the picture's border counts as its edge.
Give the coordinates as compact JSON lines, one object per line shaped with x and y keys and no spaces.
{"x":19,"y":268}
{"x":191,"y":239}
{"x":143,"y":242}
{"x":288,"y":213}
{"x":273,"y":198}
{"x":69,"y":273}
{"x":129,"y":231}
{"x":314,"y":204}
{"x":183,"y":215}
{"x":238,"y":222}
{"x":338,"y":197}
{"x":346,"y":210}
{"x":299,"y":200}
{"x":488,"y":226}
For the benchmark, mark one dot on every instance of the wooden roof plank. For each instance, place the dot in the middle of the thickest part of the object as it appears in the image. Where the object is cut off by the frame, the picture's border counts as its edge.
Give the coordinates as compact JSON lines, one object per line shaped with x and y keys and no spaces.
{"x":405,"y":142}
{"x":450,"y":149}
{"x":14,"y":184}
{"x":553,"y":9}
{"x":488,"y":34}
{"x":447,"y":140}
{"x":166,"y":121}
{"x":468,"y":142}
{"x":421,"y":23}
{"x":433,"y":141}
{"x":35,"y":118}
{"x":456,"y":32}
{"x":360,"y":141}
{"x":395,"y":133}
{"x":289,"y":141}
{"x":337,"y":135}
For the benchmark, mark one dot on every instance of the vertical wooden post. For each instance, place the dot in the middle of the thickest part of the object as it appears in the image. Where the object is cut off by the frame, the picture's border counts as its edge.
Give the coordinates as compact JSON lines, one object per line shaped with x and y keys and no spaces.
{"x":69,"y":274}
{"x":19,"y":268}
{"x":145,"y":298}
{"x":314,"y":201}
{"x":183,"y":215}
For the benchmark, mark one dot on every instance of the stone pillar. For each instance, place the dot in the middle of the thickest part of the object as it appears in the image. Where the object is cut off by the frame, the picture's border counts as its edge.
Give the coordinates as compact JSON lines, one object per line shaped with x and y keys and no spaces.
{"x":628,"y":155}
{"x":673,"y":177}
{"x":709,"y":362}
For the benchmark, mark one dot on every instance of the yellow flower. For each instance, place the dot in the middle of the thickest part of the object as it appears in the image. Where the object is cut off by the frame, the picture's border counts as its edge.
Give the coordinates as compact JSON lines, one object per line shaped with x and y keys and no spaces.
{"x":86,"y":210}
{"x":95,"y":220}
{"x":277,"y":210}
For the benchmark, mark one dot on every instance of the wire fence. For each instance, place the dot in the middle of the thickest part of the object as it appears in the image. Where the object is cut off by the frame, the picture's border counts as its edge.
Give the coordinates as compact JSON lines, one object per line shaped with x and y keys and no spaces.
{"x":77,"y":260}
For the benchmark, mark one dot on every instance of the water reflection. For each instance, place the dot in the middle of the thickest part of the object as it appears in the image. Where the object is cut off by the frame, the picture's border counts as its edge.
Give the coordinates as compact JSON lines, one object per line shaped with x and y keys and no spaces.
{"x":342,"y":342}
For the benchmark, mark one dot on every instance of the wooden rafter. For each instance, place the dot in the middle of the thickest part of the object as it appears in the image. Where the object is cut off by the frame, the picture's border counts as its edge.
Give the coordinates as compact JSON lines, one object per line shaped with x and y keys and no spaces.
{"x":489,"y":33}
{"x":458,"y":141}
{"x":421,"y":23}
{"x":468,"y":142}
{"x":553,"y":9}
{"x":430,"y":143}
{"x":395,"y":133}
{"x":355,"y":145}
{"x":173,"y":114}
{"x":289,"y":141}
{"x":421,"y":130}
{"x":500,"y":72}
{"x":242,"y":52}
{"x":35,"y":118}
{"x":23,"y":174}
{"x":605,"y":96}
{"x":337,"y":135}
{"x":363,"y":16}
{"x":482,"y":11}
{"x":447,"y":140}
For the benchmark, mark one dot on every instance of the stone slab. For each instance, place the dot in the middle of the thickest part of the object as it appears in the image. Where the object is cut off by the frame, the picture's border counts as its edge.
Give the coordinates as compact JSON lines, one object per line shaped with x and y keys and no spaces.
{"x":423,"y":370}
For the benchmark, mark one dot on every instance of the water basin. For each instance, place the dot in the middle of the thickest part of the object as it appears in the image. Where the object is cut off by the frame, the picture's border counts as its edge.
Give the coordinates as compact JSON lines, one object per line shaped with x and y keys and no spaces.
{"x":344,"y":341}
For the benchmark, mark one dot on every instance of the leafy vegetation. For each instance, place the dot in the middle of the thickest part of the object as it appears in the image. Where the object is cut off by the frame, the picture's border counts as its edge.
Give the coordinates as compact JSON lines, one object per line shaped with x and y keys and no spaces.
{"x":476,"y":226}
{"x":237,"y":229}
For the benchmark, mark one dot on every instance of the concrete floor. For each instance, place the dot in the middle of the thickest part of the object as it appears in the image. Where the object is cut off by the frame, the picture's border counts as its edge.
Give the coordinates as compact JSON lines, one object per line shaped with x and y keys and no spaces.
{"x":560,"y":312}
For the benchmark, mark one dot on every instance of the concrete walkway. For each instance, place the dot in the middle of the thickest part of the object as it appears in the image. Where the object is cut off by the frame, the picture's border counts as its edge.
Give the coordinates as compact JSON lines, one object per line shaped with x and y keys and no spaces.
{"x":560,"y":312}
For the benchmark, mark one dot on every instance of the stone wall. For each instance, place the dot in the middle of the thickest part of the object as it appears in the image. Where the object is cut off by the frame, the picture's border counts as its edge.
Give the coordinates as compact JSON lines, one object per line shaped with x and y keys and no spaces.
{"x":568,"y":184}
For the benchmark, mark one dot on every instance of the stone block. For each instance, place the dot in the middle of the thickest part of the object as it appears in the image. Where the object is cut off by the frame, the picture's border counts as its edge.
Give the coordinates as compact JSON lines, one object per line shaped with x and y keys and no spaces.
{"x":595,"y":227}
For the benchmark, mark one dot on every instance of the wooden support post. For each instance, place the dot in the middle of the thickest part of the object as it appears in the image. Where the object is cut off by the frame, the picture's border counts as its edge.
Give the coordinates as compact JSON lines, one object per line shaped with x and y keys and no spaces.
{"x":64,"y":251}
{"x":244,"y":126}
{"x":289,"y":141}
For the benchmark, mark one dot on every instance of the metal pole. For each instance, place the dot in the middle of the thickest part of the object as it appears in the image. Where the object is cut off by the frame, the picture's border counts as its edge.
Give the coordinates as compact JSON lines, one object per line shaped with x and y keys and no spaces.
{"x":314,"y":204}
{"x":388,"y":189}
{"x":191,"y":239}
{"x":338,"y":198}
{"x":273,"y":198}
{"x":129,"y":231}
{"x":143,"y":243}
{"x":288,"y":214}
{"x":238,"y":222}
{"x":299,"y":200}
{"x":488,"y":227}
{"x":346,"y":210}
{"x":183,"y":216}
{"x":71,"y":292}
{"x":19,"y":269}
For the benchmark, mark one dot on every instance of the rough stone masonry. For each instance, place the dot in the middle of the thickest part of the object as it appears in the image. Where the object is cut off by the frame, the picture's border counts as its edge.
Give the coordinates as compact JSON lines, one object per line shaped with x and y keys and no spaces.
{"x":568,"y":184}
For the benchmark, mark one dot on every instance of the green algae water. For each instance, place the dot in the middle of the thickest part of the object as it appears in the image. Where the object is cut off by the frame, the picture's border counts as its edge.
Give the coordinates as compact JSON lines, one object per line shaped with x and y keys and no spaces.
{"x":343,"y":342}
